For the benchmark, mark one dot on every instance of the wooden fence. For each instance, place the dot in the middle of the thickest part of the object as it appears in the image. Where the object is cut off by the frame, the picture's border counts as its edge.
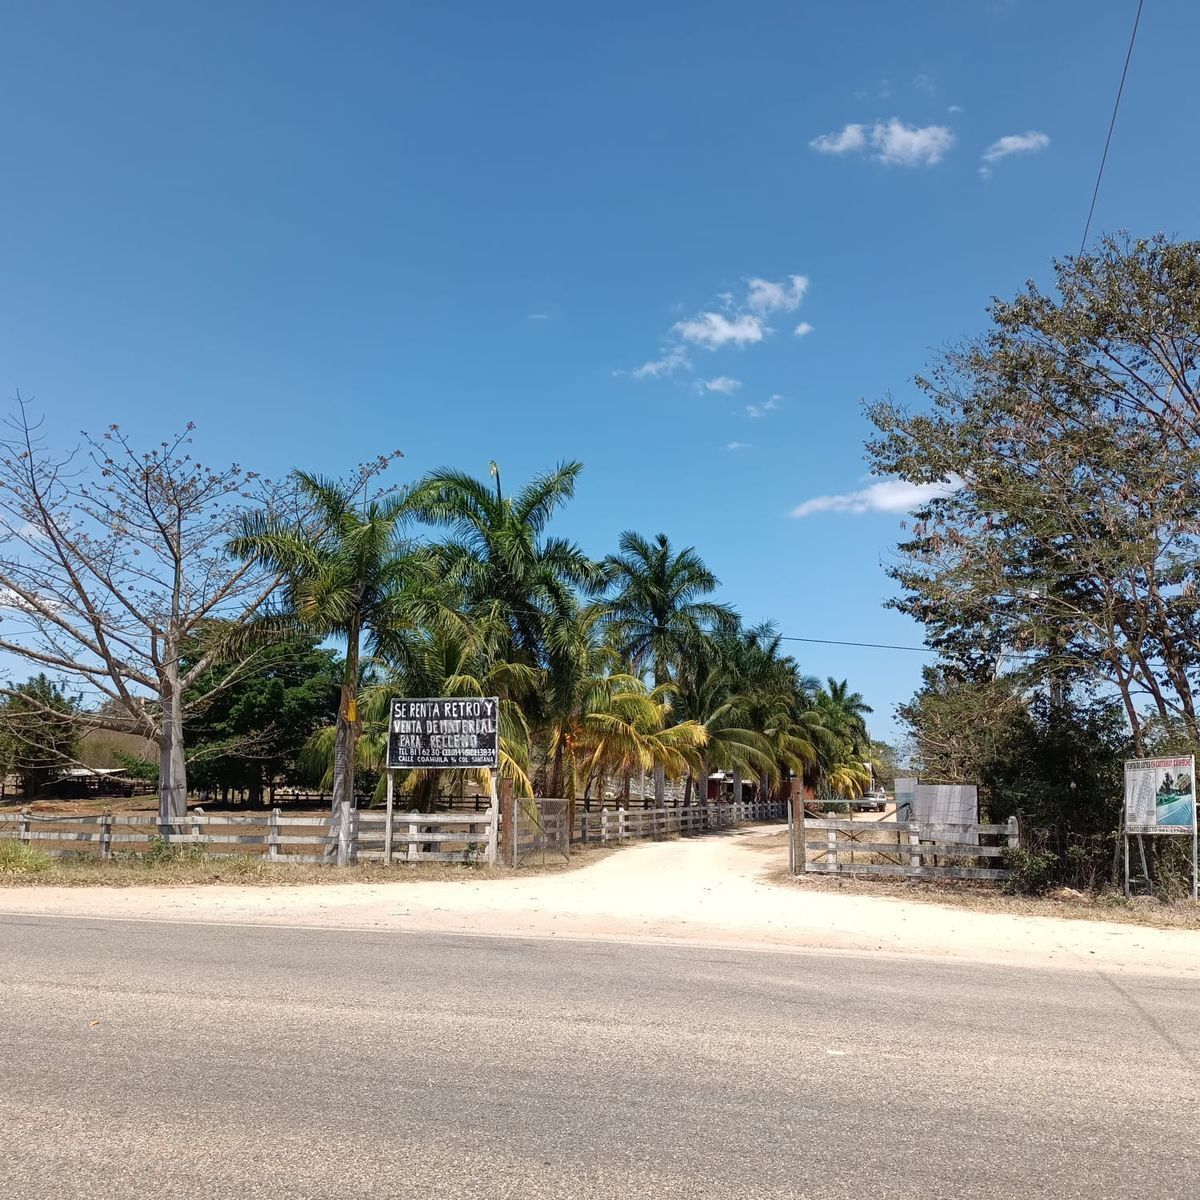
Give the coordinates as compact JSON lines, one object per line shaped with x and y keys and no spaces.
{"x":424,"y":837}
{"x":621,"y":824}
{"x":277,"y":836}
{"x":907,"y":848}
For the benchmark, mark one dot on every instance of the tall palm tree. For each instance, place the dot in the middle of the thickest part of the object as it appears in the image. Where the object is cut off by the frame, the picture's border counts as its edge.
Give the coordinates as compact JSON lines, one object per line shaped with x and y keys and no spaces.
{"x":658,"y":609}
{"x":846,"y":713}
{"x":347,"y":569}
{"x":498,"y":553}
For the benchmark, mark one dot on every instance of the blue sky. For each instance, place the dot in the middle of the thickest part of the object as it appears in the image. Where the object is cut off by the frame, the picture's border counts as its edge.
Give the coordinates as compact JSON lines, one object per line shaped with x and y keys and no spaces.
{"x":321,"y":231}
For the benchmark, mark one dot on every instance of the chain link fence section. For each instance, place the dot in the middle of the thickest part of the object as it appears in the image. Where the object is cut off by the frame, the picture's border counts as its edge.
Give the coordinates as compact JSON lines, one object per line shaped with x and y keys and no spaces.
{"x":541,"y":833}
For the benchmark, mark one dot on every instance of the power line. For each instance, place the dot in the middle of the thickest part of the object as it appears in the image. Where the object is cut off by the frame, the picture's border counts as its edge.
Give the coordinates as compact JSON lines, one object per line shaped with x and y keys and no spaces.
{"x":1111,"y":126}
{"x":883,"y":646}
{"x":862,"y":645}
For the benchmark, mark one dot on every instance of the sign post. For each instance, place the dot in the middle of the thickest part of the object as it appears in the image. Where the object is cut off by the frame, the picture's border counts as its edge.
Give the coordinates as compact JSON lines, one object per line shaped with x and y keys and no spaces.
{"x":1160,"y":798}
{"x":445,"y":733}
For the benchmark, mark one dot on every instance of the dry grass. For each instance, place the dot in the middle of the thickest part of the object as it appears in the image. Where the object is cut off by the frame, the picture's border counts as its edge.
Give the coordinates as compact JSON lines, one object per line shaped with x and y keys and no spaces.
{"x":188,"y":869}
{"x":985,"y":897}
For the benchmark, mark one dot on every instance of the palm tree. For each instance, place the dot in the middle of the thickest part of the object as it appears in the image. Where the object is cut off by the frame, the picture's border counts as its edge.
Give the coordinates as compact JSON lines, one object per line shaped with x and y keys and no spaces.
{"x":708,"y":695}
{"x":499,"y":556}
{"x":347,"y":571}
{"x":658,"y":611}
{"x":847,"y":713}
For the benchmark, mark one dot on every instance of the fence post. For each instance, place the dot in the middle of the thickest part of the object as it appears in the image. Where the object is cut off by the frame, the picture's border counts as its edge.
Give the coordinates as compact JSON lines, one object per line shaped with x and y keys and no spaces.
{"x":106,"y":827}
{"x":914,"y":849}
{"x":508,"y":824}
{"x":797,"y":803}
{"x":23,"y":832}
{"x":1014,"y":833}
{"x":493,"y":842}
{"x":622,"y":824}
{"x":603,"y":826}
{"x":273,"y":835}
{"x":831,"y":836}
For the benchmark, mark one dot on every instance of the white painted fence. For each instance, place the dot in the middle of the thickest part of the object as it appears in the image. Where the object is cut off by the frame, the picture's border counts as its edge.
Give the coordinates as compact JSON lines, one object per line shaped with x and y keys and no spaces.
{"x":274,"y":835}
{"x":621,"y":824}
{"x":277,"y":836}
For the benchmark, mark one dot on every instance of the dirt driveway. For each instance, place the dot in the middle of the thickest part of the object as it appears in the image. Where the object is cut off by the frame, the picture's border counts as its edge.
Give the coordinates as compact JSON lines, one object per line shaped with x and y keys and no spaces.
{"x":711,"y":890}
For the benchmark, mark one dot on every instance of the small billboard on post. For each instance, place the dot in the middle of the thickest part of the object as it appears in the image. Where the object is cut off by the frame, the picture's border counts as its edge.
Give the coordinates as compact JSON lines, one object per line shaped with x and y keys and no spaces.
{"x":1160,"y":795}
{"x":1160,"y":798}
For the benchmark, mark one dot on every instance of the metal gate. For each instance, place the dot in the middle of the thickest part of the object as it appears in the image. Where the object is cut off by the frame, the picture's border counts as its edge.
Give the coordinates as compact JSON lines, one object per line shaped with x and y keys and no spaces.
{"x":541,"y":834}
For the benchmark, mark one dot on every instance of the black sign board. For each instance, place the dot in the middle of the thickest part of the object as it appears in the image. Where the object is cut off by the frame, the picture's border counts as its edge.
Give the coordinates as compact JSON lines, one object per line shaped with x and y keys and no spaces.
{"x":443,"y":732}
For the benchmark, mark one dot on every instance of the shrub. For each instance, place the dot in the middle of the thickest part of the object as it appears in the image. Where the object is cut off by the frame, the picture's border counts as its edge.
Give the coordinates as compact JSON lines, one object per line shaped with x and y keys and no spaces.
{"x":162,"y":852}
{"x":1032,"y":870}
{"x":17,"y":858}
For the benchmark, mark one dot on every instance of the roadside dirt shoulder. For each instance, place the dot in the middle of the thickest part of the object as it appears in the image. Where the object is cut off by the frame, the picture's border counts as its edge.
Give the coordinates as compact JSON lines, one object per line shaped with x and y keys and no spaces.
{"x":710,"y":890}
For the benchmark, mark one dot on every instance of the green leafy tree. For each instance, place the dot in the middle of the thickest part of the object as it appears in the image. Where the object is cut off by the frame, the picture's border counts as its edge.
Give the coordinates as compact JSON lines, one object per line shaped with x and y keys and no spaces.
{"x":253,"y":730}
{"x":39,"y":732}
{"x":1065,"y":445}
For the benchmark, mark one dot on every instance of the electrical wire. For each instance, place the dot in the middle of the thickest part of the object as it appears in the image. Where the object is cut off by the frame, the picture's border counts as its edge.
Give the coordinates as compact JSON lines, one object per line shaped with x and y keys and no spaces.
{"x":1111,"y":126}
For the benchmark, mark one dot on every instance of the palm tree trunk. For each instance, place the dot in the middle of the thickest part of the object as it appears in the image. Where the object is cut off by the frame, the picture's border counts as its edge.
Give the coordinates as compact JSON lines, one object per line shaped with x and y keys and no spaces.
{"x":556,"y":772}
{"x":342,"y":814}
{"x":737,"y":785}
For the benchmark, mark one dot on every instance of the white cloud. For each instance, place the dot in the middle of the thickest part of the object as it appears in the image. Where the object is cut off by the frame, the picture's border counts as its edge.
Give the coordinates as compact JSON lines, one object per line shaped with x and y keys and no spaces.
{"x":1016,"y":143}
{"x":803,"y":329}
{"x":888,"y":496}
{"x":893,"y":142}
{"x":723,"y":384}
{"x":904,"y":145}
{"x":675,"y":358}
{"x":712,"y":330}
{"x":761,"y":410}
{"x":737,"y":446}
{"x":924,"y":83}
{"x":763,"y":296}
{"x":729,"y":322}
{"x":849,"y":140}
{"x":955,"y":108}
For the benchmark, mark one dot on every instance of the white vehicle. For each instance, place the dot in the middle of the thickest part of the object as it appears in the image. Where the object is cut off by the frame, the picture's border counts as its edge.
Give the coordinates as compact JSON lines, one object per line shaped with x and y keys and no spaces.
{"x":876,"y":800}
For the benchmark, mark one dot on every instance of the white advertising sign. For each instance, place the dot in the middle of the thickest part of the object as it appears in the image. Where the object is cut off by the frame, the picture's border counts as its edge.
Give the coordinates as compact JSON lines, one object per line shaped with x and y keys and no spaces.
{"x":1160,"y":795}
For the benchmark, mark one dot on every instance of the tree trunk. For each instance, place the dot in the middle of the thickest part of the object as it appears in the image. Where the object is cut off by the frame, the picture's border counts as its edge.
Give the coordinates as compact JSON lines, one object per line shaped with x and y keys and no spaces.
{"x":660,"y":786}
{"x":172,"y":770}
{"x":556,"y":773}
{"x":342,"y":813}
{"x":343,"y":784}
{"x":737,"y":785}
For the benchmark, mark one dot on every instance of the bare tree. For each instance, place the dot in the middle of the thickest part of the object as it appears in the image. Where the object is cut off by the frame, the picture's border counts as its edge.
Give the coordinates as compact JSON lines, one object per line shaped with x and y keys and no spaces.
{"x":114,"y":572}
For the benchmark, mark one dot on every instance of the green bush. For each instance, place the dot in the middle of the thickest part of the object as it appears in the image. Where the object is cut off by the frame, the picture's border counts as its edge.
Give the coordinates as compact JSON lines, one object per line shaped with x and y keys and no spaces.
{"x":17,"y":858}
{"x":162,"y":852}
{"x":1032,"y":871}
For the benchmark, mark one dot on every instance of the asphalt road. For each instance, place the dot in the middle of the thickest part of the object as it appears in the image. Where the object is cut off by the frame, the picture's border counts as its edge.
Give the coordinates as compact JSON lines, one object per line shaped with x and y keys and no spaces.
{"x":176,"y":1060}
